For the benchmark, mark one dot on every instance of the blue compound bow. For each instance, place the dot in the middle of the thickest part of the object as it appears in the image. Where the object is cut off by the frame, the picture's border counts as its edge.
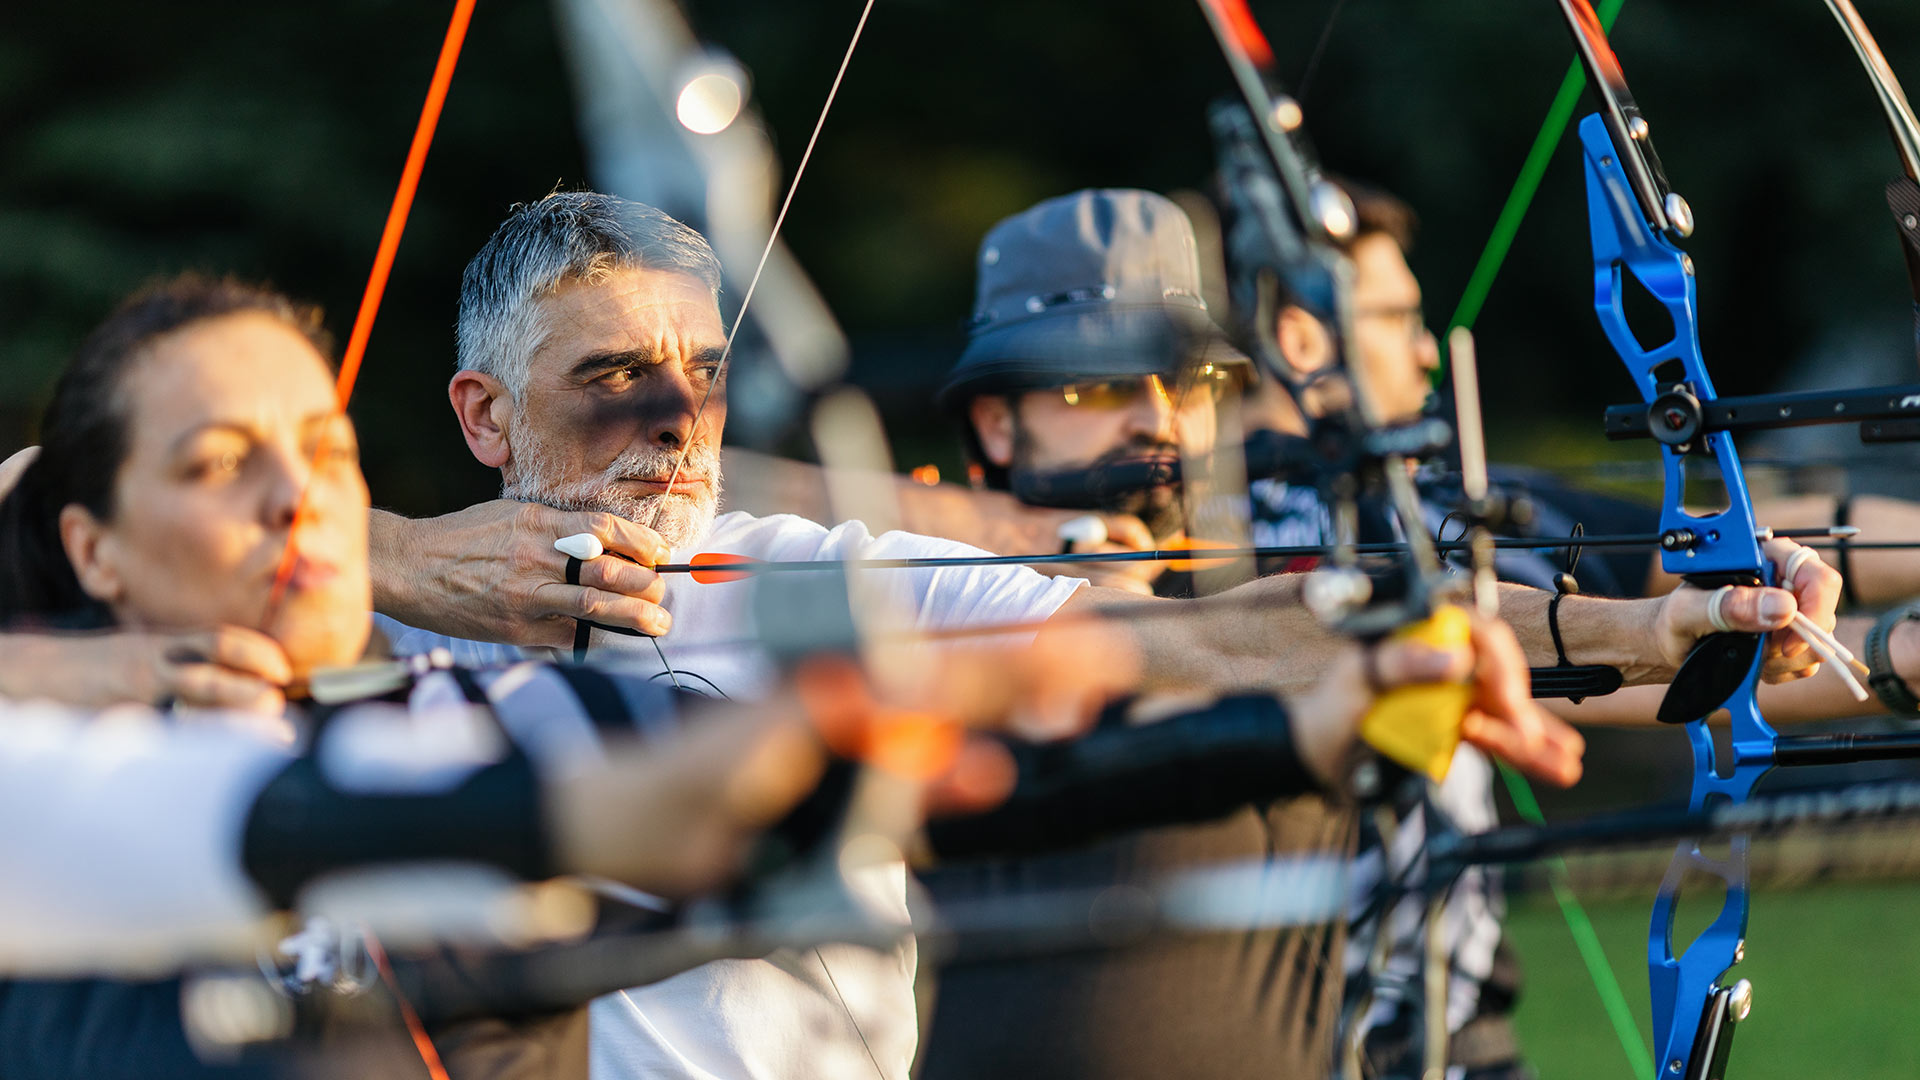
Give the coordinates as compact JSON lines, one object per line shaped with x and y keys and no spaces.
{"x":1635,"y":220}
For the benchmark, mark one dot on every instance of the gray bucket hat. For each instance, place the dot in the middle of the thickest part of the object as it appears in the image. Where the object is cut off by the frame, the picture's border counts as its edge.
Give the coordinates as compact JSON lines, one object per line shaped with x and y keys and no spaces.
{"x":1097,"y":284}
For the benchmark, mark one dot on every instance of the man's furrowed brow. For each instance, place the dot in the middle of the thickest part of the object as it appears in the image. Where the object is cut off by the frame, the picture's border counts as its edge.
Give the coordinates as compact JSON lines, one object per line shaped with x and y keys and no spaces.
{"x":594,"y":364}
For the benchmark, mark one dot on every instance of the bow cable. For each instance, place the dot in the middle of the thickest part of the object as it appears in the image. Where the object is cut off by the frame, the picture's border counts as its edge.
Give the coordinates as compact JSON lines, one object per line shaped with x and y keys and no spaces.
{"x":746,"y":298}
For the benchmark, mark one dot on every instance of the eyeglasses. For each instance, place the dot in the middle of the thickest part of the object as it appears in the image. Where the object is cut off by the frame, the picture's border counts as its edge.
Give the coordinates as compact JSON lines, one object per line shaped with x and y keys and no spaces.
{"x":1204,"y":383}
{"x":1414,"y":316}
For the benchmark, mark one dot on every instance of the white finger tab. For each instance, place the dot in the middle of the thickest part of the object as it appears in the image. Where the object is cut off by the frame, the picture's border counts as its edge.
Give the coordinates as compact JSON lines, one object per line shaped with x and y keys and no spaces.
{"x":582,"y":546}
{"x":1714,"y":616}
{"x":1085,"y":529}
{"x":1798,"y":560}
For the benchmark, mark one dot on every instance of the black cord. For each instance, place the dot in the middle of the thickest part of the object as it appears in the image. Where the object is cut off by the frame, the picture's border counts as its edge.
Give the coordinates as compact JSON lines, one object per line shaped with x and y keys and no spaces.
{"x":582,"y":629}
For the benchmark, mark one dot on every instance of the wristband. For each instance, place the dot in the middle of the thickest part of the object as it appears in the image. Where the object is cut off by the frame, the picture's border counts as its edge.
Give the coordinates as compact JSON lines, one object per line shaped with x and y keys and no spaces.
{"x":1894,"y":692}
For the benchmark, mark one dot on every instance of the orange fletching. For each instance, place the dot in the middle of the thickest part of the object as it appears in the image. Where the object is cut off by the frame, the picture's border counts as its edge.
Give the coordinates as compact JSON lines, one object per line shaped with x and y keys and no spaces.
{"x":718,"y":558}
{"x":1189,"y":565}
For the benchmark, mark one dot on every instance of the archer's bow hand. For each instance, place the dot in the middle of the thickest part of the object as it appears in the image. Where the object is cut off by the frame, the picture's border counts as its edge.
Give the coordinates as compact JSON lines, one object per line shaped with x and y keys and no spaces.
{"x":1816,"y":589}
{"x":490,"y":572}
{"x":1813,"y":589}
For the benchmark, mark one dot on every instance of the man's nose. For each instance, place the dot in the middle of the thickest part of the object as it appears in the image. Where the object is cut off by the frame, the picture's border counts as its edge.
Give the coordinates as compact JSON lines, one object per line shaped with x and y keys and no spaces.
{"x":672,"y":410}
{"x":1427,"y":351}
{"x":1153,"y":409}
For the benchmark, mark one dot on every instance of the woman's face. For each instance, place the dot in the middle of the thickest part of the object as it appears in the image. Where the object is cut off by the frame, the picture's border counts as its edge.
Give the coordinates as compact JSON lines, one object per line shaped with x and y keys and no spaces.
{"x":225,"y":417}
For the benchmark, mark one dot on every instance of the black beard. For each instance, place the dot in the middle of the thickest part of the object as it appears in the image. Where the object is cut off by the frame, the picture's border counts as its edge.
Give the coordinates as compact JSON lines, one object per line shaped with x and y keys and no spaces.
{"x":1161,"y":507}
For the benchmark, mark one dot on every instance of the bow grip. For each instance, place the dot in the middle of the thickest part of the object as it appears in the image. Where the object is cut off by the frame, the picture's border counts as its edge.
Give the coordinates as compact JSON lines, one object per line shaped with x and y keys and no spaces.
{"x":1716,"y":666}
{"x":1419,"y":726}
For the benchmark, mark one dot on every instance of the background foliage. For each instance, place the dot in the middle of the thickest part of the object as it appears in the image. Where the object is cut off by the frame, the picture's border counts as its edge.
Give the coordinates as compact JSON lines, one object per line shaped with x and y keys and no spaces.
{"x":264,"y":139}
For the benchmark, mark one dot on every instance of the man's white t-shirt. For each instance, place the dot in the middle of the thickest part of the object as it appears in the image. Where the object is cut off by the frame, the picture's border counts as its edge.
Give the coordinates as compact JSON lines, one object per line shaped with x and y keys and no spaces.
{"x":839,"y":1011}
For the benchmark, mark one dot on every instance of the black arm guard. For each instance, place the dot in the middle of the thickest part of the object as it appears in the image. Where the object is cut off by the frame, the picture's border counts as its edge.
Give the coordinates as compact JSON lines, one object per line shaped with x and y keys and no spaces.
{"x":302,"y":827}
{"x":1188,"y":768}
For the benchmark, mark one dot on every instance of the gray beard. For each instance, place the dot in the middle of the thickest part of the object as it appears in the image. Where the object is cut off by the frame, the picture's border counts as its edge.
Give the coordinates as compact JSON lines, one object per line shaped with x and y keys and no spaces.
{"x":681,"y":520}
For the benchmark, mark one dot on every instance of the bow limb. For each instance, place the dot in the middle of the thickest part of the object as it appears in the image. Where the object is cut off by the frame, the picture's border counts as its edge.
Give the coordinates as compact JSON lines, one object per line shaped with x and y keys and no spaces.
{"x":1903,"y":192}
{"x":1634,"y":219}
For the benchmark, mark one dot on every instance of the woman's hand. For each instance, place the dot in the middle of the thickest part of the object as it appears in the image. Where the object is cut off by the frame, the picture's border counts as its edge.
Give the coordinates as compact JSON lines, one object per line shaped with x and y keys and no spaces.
{"x":230,"y":668}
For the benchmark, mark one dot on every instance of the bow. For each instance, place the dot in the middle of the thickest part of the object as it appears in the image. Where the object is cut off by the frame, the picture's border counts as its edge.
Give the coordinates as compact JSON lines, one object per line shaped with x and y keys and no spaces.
{"x":1635,"y":221}
{"x":1284,"y":221}
{"x":1903,"y":192}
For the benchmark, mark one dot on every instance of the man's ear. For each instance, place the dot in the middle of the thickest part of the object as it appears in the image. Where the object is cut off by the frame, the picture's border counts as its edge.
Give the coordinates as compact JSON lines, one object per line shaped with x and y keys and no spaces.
{"x":485,"y":411}
{"x":992,"y":419}
{"x":92,"y":552}
{"x":1304,"y":343}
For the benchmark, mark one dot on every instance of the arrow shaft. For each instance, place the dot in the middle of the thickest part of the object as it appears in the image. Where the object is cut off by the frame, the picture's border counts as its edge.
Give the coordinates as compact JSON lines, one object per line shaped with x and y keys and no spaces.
{"x":1510,"y":543}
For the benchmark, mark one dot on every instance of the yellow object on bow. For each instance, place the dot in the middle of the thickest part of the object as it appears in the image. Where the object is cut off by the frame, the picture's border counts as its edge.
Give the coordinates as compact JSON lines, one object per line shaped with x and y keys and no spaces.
{"x":1419,"y":726}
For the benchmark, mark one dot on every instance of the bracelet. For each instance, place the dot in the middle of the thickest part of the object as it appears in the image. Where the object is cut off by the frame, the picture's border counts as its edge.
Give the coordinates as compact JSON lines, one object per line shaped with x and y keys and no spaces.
{"x":1891,"y":688}
{"x":1553,"y":627}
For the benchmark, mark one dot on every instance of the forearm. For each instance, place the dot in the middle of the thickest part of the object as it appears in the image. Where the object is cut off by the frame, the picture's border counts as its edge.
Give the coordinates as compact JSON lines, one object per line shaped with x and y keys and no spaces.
{"x":1256,"y":636}
{"x":1616,"y":633}
{"x":993,"y":520}
{"x":35,"y":667}
{"x":389,"y":551}
{"x":1191,"y":767}
{"x":1823,"y":696}
{"x":763,"y":484}
{"x":1887,"y":576}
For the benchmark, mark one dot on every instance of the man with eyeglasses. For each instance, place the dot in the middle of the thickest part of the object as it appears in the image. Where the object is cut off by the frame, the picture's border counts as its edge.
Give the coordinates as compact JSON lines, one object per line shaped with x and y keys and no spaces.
{"x":1091,"y":349}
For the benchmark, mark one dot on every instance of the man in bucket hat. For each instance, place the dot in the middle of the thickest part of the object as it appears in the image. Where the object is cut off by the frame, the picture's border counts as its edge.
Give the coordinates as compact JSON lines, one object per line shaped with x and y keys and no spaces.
{"x":1091,"y":348}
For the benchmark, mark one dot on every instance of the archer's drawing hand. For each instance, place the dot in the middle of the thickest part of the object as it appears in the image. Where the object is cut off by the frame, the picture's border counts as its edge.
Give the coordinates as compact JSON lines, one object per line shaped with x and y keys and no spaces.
{"x":1123,"y":532}
{"x":230,"y":668}
{"x":490,"y":572}
{"x":1501,"y":719}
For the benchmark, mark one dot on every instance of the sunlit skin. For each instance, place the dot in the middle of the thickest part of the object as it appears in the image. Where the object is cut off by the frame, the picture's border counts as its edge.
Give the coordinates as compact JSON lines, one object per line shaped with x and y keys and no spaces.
{"x":226,"y":416}
{"x":1052,"y":434}
{"x":624,"y":364}
{"x":1393,"y":356}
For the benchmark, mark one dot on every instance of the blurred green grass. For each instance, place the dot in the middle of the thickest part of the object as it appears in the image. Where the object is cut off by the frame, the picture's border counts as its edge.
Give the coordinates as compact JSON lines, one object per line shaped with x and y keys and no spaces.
{"x":1835,"y":971}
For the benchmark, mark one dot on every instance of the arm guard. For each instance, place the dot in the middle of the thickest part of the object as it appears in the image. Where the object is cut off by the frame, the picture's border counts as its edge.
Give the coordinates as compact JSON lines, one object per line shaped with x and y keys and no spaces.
{"x":1188,"y":768}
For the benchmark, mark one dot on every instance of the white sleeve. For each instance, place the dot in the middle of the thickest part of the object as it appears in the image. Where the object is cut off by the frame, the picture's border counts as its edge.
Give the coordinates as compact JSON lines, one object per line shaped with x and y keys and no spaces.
{"x":967,"y":596}
{"x":120,"y":840}
{"x":406,"y":640}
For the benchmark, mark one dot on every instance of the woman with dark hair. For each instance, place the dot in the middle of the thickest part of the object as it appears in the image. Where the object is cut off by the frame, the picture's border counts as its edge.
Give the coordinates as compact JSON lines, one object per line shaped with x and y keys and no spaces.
{"x":88,"y":532}
{"x":188,"y":434}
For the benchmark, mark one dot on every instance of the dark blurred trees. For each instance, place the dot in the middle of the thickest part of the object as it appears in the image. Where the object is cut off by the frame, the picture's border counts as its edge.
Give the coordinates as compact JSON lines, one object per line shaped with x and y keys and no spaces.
{"x":264,"y":139}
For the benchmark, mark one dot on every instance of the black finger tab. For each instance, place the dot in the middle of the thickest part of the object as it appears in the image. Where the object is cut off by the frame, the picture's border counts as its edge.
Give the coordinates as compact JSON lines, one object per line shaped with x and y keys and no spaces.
{"x":1714,"y":669}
